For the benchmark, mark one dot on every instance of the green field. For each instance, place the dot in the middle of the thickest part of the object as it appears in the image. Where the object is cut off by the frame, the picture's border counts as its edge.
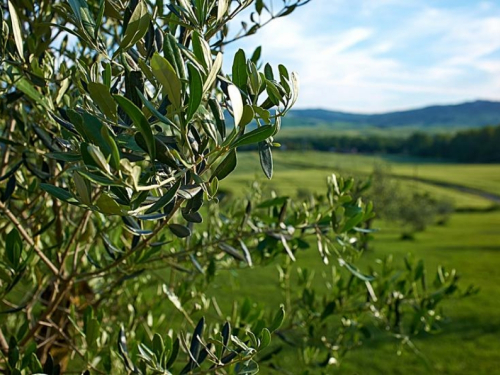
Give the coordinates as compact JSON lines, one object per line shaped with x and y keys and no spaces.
{"x":468,"y":344}
{"x":469,"y":242}
{"x":307,"y":171}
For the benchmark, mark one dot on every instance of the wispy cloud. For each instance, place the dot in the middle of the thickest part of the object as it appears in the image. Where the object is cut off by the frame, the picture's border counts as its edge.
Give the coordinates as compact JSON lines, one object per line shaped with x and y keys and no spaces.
{"x":372,"y":56}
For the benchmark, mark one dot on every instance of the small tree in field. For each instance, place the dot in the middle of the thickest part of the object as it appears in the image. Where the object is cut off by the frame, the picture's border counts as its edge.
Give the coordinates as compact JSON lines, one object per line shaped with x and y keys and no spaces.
{"x":114,"y":143}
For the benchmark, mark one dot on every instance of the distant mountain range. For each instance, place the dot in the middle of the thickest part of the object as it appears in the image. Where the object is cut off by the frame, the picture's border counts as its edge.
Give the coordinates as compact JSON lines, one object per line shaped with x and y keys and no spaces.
{"x":466,"y":115}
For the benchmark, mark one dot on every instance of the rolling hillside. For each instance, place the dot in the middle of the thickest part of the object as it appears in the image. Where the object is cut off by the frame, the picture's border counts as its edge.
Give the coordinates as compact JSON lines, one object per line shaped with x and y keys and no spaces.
{"x":465,"y":115}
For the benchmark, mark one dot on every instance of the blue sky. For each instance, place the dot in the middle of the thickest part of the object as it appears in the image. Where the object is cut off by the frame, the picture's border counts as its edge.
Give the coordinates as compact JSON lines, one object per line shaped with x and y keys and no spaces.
{"x":380,"y":55}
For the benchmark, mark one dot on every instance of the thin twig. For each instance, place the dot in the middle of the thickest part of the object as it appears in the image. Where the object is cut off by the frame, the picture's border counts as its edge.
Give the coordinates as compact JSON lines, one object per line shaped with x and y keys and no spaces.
{"x":4,"y":346}
{"x":70,"y":343}
{"x":56,"y":301}
{"x":140,"y":246}
{"x":7,"y":150}
{"x":29,"y":239}
{"x":79,"y":227}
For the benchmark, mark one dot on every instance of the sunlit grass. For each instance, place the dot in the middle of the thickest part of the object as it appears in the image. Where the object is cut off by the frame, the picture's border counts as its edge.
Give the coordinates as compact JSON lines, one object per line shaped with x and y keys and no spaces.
{"x":308,"y":171}
{"x":469,"y":242}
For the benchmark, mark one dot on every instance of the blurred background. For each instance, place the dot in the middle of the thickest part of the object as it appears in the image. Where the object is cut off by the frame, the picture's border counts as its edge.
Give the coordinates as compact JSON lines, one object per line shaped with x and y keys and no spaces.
{"x":405,"y":93}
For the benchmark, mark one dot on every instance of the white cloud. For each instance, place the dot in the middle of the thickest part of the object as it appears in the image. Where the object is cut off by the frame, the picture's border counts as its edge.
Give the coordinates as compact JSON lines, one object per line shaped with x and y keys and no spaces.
{"x":373,"y":56}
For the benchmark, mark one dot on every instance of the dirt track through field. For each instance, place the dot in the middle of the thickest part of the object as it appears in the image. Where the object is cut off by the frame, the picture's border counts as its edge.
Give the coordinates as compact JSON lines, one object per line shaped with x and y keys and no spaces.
{"x":464,"y":189}
{"x":495,"y":198}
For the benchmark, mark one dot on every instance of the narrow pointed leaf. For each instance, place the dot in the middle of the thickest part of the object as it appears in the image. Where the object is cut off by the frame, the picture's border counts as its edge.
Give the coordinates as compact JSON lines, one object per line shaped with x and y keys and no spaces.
{"x":266,"y":159}
{"x":195,"y":91}
{"x":100,"y":180}
{"x":155,"y":112}
{"x":137,"y":26}
{"x":101,"y":96}
{"x":295,"y":85}
{"x":192,"y":217}
{"x":278,"y":320}
{"x":59,"y":193}
{"x":123,"y":350}
{"x":232,"y":251}
{"x":265,"y":338}
{"x":173,"y":353}
{"x":13,"y":247}
{"x":195,"y":341}
{"x":140,"y":122}
{"x":166,"y":75}
{"x":165,"y":199}
{"x":287,"y":248}
{"x":179,"y":230}
{"x":172,"y":53}
{"x":240,"y":74}
{"x":201,"y":50}
{"x":222,"y":9}
{"x":226,"y":166}
{"x":27,"y":88}
{"x":255,"y":136}
{"x":115,"y":153}
{"x":100,"y":17}
{"x":16,"y":29}
{"x":220,"y":122}
{"x":354,"y":270}
{"x":82,"y":12}
{"x":226,"y":334}
{"x":108,"y":206}
{"x":82,"y":188}
{"x":212,"y":75}
{"x":99,"y":158}
{"x":237,"y":103}
{"x":248,"y":115}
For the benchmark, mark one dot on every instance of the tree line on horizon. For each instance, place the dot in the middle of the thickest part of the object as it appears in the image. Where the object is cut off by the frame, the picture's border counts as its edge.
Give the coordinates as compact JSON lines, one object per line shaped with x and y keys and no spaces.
{"x":467,"y":146}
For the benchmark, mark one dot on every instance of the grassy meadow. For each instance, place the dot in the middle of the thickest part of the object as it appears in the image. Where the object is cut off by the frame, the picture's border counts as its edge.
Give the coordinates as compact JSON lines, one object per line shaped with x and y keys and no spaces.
{"x":469,"y":242}
{"x":307,"y":171}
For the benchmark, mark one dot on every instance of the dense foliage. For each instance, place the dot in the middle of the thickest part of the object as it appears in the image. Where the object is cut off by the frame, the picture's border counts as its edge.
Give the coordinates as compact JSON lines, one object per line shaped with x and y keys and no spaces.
{"x":467,"y":146}
{"x":113,"y":146}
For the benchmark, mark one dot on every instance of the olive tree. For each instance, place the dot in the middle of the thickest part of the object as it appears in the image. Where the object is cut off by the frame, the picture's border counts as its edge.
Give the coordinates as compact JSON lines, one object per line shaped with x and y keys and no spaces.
{"x":114,"y":143}
{"x":412,"y":210}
